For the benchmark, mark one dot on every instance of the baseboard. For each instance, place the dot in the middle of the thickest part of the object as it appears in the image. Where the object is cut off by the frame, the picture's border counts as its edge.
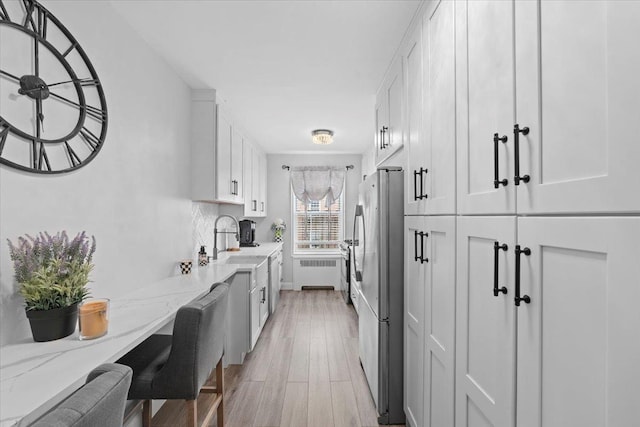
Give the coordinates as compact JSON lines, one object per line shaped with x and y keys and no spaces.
{"x":287,"y":286}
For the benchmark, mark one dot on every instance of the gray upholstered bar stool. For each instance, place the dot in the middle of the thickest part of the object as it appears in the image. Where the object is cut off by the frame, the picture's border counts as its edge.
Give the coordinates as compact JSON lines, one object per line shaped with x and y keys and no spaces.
{"x":98,"y":403}
{"x":177,"y":366}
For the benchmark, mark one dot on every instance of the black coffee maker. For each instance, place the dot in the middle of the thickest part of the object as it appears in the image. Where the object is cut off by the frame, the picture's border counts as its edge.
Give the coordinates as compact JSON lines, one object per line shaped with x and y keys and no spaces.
{"x":247,"y":233}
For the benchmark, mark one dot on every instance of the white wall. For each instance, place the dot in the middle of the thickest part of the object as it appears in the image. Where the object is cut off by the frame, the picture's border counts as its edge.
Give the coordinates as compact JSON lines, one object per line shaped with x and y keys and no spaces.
{"x":135,"y":196}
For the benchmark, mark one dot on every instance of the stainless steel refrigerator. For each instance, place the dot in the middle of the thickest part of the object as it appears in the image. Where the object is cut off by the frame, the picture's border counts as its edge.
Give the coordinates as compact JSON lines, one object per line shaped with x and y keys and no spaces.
{"x":378,"y":253}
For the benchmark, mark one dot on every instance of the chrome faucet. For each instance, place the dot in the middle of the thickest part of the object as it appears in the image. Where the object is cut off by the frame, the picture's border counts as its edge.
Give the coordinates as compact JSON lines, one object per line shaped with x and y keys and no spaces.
{"x":215,"y":234}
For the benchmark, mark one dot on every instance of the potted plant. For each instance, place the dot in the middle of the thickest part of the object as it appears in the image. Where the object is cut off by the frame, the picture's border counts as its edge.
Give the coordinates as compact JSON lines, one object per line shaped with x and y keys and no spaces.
{"x":278,"y":228}
{"x":52,"y":273}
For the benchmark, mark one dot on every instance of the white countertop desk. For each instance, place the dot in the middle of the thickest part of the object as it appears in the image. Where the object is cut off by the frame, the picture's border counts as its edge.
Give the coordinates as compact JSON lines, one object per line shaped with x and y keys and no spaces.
{"x":34,"y":377}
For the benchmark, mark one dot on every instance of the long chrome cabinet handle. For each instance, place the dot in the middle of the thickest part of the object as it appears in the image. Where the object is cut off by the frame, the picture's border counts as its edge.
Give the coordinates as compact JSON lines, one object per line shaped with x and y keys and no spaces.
{"x":496,"y":161}
{"x":496,"y":266}
{"x":516,"y":144}
{"x":517,"y":298}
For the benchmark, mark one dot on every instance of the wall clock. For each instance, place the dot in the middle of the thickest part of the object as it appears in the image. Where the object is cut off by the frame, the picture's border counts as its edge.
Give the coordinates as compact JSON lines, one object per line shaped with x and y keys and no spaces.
{"x":53,"y":114}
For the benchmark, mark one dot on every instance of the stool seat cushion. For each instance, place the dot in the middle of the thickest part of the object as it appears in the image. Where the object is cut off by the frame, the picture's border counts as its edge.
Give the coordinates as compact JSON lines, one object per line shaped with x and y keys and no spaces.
{"x":146,"y":360}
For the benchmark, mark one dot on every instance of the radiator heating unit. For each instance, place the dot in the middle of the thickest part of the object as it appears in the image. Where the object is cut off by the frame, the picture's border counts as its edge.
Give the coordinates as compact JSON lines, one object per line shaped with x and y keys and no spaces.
{"x":316,"y":272}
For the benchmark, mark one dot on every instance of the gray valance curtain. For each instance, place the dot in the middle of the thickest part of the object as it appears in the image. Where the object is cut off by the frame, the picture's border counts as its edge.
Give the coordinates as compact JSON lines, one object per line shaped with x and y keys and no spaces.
{"x":313,"y":183}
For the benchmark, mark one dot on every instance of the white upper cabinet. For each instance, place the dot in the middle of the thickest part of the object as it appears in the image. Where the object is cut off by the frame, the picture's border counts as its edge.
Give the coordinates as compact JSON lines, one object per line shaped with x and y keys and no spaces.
{"x":216,"y":155}
{"x":237,"y":168}
{"x":416,"y":175}
{"x":562,"y":141}
{"x":388,"y":114}
{"x":485,"y":107}
{"x":578,"y":93}
{"x":263,"y":184}
{"x":255,"y":178}
{"x":440,"y":107}
{"x":430,"y":113}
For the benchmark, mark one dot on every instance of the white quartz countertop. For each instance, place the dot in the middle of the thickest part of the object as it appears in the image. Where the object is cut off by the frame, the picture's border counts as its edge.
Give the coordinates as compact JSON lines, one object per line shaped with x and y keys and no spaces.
{"x":34,"y":377}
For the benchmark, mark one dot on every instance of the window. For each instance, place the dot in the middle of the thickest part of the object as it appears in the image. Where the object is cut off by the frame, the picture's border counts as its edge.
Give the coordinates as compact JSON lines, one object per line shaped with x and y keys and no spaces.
{"x":318,"y":228}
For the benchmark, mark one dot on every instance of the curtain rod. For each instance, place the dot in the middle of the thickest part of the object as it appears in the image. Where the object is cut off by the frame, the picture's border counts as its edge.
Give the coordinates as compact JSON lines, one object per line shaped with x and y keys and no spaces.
{"x":348,"y":167}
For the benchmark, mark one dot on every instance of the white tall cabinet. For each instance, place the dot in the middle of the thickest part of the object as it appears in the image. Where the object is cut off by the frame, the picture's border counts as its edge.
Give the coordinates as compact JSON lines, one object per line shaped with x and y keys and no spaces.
{"x":523,"y":113}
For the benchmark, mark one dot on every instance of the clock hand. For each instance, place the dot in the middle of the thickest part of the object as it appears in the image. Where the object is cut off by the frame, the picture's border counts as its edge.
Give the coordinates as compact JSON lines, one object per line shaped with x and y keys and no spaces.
{"x":35,"y":89}
{"x":4,"y":73}
{"x":40,"y":117}
{"x":81,"y":81}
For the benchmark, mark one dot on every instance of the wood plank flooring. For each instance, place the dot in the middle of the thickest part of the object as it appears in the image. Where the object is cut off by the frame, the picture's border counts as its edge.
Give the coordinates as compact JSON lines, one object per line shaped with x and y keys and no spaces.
{"x":304,"y":371}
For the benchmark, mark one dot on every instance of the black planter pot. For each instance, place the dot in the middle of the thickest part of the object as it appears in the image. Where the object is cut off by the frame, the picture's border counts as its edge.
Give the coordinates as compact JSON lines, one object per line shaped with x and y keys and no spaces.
{"x":49,"y":325}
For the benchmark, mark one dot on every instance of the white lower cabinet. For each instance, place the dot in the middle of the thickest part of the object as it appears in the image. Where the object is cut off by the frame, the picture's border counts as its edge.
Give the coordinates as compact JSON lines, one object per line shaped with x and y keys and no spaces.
{"x":254,"y":307}
{"x":275,"y":280}
{"x":430,"y":320}
{"x":570,"y":345}
{"x":264,"y":305}
{"x":485,"y":333}
{"x":578,"y":347}
{"x":414,"y":274}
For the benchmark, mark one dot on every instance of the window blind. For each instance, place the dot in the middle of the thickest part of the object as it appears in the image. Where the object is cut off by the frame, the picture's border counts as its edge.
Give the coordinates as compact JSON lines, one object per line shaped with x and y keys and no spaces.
{"x":317,"y":226}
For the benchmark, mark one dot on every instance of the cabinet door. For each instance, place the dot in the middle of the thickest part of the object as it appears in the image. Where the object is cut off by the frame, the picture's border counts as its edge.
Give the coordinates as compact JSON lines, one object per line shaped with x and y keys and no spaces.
{"x":577,"y":92}
{"x":485,"y":333}
{"x":414,"y":285}
{"x":382,"y":123}
{"x":439,"y":324}
{"x":417,"y":180}
{"x":264,"y":305}
{"x":248,"y":179}
{"x":237,"y":169}
{"x":263,"y":184}
{"x":485,"y":105}
{"x":203,"y":150}
{"x":578,"y":350}
{"x":274,"y":282}
{"x":254,"y":299}
{"x":440,"y":107}
{"x":389,"y":113}
{"x":223,"y":158}
{"x":255,"y":182}
{"x":394,"y":96}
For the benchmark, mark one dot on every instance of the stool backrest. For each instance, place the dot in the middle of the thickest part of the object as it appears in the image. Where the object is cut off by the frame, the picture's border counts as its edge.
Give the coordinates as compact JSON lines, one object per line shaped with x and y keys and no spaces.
{"x":99,"y":403}
{"x":197,"y":344}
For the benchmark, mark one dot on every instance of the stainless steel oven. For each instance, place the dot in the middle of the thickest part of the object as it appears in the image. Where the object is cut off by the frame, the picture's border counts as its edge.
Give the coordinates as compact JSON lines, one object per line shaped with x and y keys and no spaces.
{"x":345,"y":270}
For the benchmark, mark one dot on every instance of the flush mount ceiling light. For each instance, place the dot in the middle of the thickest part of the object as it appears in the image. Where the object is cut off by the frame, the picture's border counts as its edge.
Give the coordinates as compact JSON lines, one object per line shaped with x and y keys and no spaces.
{"x":322,"y":136}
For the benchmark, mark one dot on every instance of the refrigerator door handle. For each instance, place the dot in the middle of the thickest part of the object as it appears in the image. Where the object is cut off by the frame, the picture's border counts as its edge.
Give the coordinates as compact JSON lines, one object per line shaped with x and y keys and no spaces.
{"x":356,"y":241}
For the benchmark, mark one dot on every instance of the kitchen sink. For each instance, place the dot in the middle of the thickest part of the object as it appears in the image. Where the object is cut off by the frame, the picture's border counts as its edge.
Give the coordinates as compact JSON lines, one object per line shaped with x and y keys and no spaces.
{"x":245,"y":259}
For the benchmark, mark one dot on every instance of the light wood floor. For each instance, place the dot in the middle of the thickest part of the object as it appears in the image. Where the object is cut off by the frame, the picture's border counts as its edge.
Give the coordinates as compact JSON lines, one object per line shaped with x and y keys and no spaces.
{"x":304,"y":371}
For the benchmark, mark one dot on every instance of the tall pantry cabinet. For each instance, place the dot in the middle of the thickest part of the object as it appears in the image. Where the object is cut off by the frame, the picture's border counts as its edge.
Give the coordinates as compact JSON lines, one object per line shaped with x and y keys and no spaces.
{"x":429,"y":58}
{"x":546,"y":214}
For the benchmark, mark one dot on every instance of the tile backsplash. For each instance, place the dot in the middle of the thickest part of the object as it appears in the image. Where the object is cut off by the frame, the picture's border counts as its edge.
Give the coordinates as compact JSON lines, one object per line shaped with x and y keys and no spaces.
{"x":203,"y":218}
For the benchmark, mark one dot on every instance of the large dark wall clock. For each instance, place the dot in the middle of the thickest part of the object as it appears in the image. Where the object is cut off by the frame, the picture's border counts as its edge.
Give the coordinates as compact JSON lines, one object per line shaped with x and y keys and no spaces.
{"x":53,"y":114}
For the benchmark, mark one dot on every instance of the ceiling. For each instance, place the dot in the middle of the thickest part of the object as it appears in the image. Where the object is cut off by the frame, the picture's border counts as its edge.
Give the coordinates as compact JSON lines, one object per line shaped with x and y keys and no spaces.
{"x":283,"y":68}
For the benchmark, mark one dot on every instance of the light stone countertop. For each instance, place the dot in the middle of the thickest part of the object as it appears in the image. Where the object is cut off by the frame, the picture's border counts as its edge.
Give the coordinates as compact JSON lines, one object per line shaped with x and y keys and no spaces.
{"x":34,"y":377}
